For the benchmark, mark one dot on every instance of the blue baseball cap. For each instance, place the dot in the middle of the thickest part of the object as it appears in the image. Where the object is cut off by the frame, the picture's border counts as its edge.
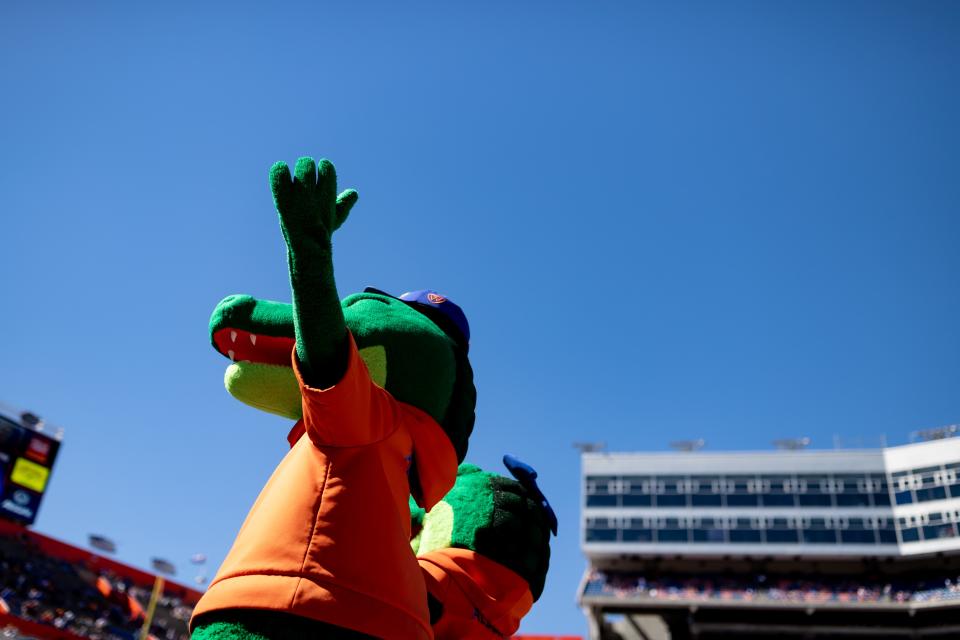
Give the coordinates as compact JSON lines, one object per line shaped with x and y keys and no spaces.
{"x":443,"y":311}
{"x":527,"y":477}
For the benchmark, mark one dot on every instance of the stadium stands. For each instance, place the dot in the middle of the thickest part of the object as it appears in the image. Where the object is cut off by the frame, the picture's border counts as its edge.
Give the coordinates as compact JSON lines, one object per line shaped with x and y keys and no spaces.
{"x":53,"y":591}
{"x":799,"y":589}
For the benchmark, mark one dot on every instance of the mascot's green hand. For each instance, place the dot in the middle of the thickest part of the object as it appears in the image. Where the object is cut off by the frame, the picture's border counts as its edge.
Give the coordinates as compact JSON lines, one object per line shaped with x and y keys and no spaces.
{"x":309,"y":208}
{"x":310,"y":211}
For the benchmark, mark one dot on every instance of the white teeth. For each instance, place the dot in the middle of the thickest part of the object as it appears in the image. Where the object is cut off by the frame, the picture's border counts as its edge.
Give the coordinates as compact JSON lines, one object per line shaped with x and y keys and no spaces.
{"x":253,"y":339}
{"x":233,"y":336}
{"x":230,"y":354}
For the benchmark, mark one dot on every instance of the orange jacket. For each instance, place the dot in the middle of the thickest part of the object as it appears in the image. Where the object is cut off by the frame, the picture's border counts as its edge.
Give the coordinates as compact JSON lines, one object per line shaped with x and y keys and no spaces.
{"x":481,"y":599}
{"x":329,"y":536}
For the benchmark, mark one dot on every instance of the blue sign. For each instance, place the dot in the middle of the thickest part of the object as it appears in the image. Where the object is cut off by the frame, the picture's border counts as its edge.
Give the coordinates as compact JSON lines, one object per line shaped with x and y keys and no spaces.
{"x":20,"y":503}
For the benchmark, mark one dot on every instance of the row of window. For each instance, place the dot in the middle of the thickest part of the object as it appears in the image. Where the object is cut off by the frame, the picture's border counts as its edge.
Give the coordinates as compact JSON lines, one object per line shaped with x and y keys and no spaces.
{"x":774,"y":490}
{"x":928,"y":526}
{"x":926,"y":484}
{"x":841,"y":490}
{"x":738,"y":484}
{"x":806,"y":530}
{"x":948,"y":472}
{"x":723,"y":500}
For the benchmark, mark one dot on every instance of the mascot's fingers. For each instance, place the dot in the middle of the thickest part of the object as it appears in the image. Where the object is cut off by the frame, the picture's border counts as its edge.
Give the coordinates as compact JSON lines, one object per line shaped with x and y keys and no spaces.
{"x":280,"y":184}
{"x":345,"y":202}
{"x":327,"y":192}
{"x":305,"y":173}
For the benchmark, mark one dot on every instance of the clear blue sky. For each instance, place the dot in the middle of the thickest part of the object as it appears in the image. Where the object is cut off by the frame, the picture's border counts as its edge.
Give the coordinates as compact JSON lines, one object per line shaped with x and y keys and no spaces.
{"x":735,"y":221}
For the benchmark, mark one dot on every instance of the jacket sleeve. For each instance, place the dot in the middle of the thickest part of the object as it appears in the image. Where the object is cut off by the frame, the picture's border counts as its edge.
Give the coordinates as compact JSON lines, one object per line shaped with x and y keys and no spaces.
{"x":353,"y":412}
{"x":473,"y":596}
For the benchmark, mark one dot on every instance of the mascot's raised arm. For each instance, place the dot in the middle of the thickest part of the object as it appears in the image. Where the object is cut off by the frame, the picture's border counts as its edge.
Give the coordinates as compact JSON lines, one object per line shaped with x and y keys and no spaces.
{"x":385,"y":399}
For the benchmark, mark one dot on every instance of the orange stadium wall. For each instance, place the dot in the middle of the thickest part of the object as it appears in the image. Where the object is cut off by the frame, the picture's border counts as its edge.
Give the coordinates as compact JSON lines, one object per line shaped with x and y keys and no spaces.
{"x":68,"y":552}
{"x":35,"y":629}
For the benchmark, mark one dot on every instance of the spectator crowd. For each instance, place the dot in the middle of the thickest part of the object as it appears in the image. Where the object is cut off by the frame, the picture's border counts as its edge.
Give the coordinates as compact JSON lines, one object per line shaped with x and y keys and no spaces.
{"x":78,"y":600}
{"x":793,"y":589}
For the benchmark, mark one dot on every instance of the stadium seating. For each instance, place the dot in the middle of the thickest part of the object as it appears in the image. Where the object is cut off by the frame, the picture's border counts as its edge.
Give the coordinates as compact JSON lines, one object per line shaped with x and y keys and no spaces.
{"x":52,"y":591}
{"x":800,"y":589}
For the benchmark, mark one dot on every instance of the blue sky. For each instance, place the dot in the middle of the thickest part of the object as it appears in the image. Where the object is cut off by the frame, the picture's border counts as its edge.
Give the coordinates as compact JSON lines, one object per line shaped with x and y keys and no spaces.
{"x":735,"y":221}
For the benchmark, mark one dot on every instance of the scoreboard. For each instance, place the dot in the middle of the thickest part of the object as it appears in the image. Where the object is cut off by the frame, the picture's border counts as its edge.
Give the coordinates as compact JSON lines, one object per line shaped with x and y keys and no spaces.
{"x":26,"y":460}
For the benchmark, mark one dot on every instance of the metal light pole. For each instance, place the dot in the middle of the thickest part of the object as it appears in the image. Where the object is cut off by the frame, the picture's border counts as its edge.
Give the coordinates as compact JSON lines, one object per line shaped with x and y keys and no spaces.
{"x":589,"y":447}
{"x":161,"y":567}
{"x":688,"y":446}
{"x":200,"y":560}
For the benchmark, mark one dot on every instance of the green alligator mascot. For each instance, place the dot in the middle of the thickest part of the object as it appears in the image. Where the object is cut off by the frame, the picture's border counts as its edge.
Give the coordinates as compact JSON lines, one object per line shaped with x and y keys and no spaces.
{"x":484,"y":551}
{"x":382,"y":391}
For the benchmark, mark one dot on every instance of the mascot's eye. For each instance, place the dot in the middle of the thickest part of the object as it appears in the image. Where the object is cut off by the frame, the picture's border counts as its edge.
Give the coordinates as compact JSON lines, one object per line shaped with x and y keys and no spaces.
{"x":375,"y":357}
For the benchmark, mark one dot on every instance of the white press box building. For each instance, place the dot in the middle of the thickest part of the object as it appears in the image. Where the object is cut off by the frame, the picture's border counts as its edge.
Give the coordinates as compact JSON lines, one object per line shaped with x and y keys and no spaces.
{"x":821,"y":543}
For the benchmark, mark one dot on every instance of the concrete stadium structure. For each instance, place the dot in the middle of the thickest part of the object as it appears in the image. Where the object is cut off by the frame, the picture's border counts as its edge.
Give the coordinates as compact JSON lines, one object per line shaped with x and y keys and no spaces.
{"x":806,"y":543}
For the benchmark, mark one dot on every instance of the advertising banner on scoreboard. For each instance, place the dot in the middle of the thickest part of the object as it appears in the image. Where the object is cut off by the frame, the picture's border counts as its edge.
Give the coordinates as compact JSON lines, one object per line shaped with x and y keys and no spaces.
{"x":26,"y":460}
